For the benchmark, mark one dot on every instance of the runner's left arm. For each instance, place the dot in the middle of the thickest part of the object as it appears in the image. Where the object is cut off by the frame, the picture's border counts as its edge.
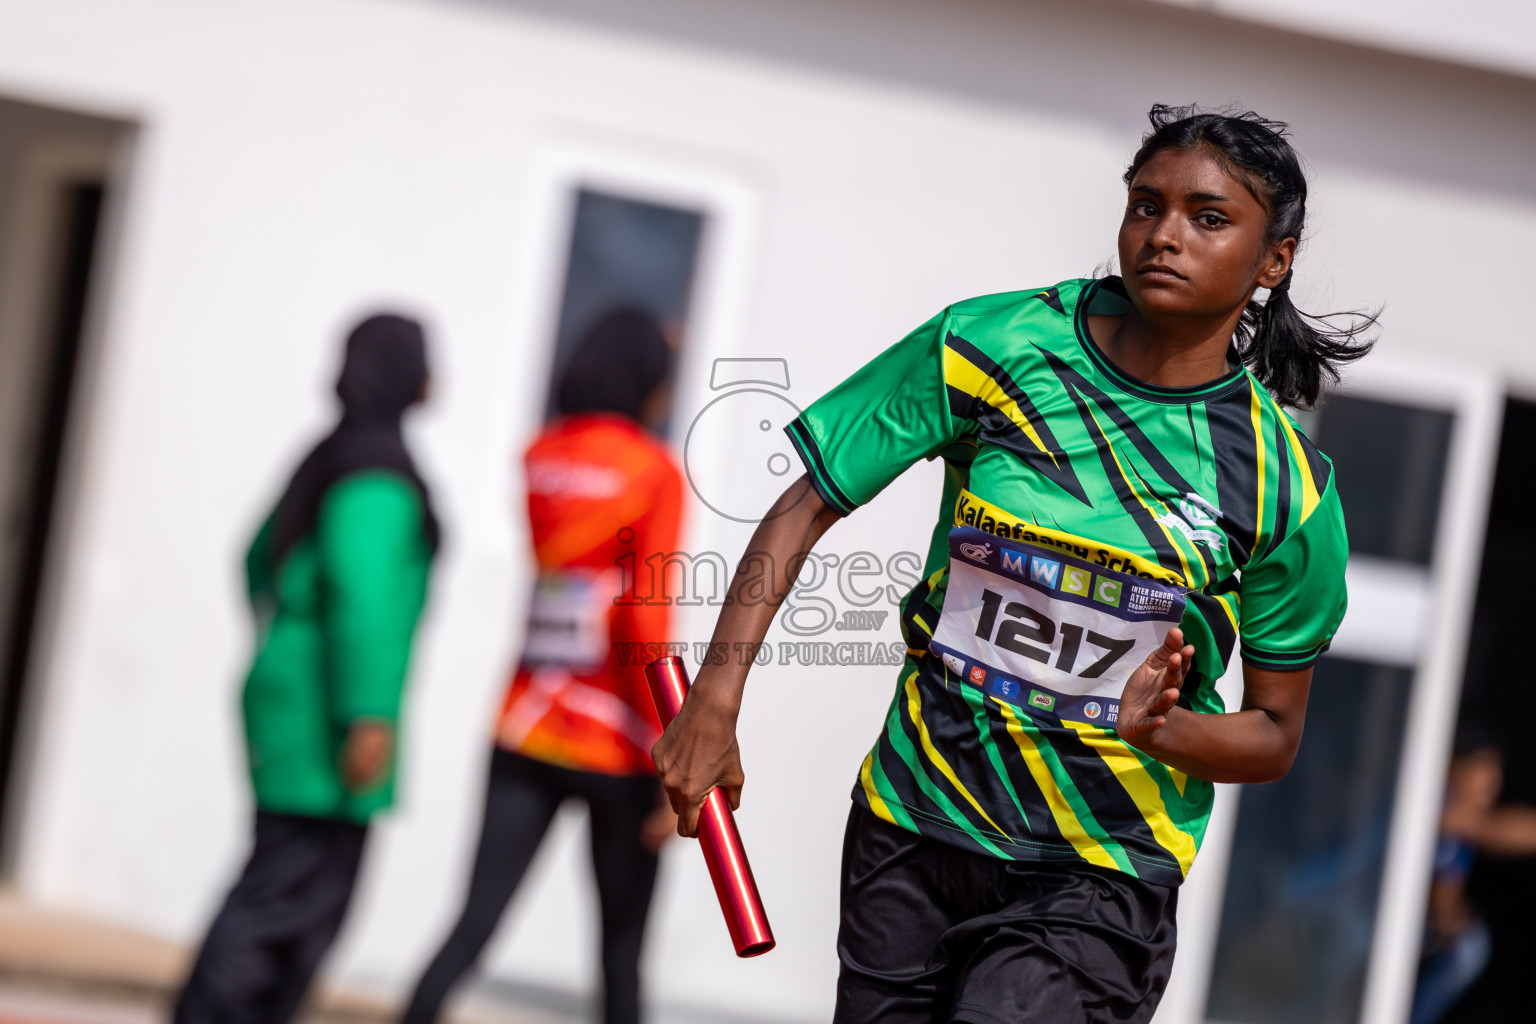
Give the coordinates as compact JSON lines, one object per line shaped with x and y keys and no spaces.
{"x":1292,"y":600}
{"x":891,"y":413}
{"x":1255,"y":744}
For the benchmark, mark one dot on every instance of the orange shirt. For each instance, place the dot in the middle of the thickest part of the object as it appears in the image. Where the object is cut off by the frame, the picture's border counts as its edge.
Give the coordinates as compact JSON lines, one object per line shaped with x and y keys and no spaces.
{"x":603,"y":495}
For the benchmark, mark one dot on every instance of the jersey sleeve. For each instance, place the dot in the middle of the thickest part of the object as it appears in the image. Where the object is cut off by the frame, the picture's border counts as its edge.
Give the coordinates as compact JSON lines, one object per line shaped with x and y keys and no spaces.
{"x":370,"y":545}
{"x":893,"y":412}
{"x":1294,"y":598}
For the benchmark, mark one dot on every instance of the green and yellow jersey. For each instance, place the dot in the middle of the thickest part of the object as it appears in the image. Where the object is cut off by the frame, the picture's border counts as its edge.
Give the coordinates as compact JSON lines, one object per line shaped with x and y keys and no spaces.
{"x":1081,"y":477}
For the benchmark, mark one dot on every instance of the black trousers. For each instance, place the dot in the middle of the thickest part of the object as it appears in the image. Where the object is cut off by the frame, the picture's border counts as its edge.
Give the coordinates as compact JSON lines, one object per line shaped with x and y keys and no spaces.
{"x":932,"y":933}
{"x":521,"y":799}
{"x":262,"y":949}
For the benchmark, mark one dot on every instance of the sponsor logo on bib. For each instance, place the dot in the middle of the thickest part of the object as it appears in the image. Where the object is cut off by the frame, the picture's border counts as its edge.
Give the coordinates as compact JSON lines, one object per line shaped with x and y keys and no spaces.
{"x":1148,"y":601}
{"x":1044,"y":570}
{"x":1043,"y":701}
{"x":1076,"y":581}
{"x":1093,"y":709}
{"x":978,"y":675}
{"x":976,"y":552}
{"x":956,"y":664}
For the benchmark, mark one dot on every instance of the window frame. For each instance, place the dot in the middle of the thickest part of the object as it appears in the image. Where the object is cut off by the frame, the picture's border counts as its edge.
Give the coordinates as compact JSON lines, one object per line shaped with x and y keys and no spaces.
{"x":1475,"y":399}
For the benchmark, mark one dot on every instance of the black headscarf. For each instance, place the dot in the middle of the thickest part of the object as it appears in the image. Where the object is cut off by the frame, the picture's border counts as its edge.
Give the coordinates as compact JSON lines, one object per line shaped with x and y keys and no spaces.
{"x":616,"y":367}
{"x":382,"y":375}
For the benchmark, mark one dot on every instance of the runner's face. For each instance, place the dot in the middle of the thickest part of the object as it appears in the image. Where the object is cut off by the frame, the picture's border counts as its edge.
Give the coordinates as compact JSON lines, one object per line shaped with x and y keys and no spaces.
{"x":1192,"y":241}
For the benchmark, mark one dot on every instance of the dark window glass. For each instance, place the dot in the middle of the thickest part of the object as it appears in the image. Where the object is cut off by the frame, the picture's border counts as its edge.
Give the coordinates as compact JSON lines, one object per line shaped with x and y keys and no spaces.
{"x":1300,"y":905}
{"x":1496,"y":702}
{"x":624,"y":253}
{"x":1390,"y":466}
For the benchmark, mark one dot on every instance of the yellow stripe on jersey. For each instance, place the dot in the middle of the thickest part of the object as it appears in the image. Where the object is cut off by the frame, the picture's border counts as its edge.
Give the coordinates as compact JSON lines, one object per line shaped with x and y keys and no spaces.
{"x":1309,"y":495}
{"x":1143,"y":791}
{"x":930,"y":583}
{"x":1258,"y":448}
{"x":961,"y":373}
{"x":1223,"y":599}
{"x":1136,"y":492}
{"x":915,"y":712}
{"x":876,"y":801}
{"x":973,"y":511}
{"x":1087,"y":847}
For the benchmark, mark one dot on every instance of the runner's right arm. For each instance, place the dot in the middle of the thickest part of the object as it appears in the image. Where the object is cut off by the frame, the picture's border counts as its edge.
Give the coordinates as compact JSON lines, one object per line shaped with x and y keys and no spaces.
{"x":698,"y":751}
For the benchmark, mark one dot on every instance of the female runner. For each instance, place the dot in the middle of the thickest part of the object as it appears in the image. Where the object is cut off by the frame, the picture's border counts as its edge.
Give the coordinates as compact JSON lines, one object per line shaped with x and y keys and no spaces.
{"x":1125,"y":504}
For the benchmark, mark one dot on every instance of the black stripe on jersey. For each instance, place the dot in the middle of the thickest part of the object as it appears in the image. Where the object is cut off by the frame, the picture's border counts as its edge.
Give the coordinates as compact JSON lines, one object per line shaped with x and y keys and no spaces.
{"x":1282,"y":491}
{"x":1112,"y":806}
{"x":1235,"y":449}
{"x":942,"y":740}
{"x":1210,"y":610}
{"x":998,"y":429}
{"x":896,"y":771}
{"x":821,"y":480}
{"x":1321,"y":470}
{"x":1042,"y":823}
{"x":915,"y":608}
{"x":1138,"y":438}
{"x":1281,"y":662}
{"x":1200,"y":549}
{"x":1167,"y":555}
{"x":1194,"y":439}
{"x":1143,"y":444}
{"x":1052,"y":297}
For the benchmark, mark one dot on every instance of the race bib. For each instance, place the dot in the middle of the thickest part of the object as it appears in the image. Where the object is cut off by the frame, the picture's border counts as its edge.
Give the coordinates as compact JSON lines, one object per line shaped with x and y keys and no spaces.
{"x":568,"y":620}
{"x":1045,"y":631}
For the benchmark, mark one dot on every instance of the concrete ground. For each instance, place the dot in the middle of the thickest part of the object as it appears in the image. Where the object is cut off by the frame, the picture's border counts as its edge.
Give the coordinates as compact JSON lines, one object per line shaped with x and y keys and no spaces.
{"x":58,"y":968}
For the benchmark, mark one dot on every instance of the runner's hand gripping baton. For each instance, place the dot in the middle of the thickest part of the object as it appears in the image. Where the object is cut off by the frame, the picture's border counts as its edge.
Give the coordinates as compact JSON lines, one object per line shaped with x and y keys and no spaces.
{"x":718,"y":838}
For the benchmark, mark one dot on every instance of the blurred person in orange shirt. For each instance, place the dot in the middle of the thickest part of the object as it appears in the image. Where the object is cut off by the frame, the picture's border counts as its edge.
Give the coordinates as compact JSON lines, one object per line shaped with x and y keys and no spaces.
{"x":577,"y":721}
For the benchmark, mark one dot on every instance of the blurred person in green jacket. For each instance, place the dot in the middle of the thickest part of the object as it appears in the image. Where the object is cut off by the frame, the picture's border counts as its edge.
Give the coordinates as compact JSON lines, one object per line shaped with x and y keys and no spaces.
{"x":337,"y":578}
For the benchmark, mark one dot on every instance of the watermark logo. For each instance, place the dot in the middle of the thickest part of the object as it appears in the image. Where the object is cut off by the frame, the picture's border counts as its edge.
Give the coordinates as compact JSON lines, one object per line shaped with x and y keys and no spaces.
{"x":736,"y":455}
{"x":828,"y":592}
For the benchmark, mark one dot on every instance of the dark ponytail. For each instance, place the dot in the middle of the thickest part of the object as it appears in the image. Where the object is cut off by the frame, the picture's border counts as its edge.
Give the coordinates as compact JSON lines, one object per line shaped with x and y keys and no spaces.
{"x":1292,"y":353}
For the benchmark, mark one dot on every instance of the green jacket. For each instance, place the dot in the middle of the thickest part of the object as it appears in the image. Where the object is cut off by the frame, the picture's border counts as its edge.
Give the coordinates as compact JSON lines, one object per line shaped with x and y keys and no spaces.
{"x":334,"y":629}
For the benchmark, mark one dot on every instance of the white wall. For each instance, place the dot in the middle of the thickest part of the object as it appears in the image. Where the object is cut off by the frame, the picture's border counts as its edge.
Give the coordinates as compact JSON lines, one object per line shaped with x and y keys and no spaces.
{"x":302,"y":161}
{"x":1490,"y":33}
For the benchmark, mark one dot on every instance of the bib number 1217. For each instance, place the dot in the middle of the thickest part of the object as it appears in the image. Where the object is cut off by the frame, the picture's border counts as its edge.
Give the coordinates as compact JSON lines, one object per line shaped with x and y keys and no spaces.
{"x":1023,"y":627}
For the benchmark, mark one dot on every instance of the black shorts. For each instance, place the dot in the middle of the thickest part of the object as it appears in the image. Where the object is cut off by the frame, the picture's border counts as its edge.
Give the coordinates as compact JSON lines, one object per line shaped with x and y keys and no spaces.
{"x":932,"y":933}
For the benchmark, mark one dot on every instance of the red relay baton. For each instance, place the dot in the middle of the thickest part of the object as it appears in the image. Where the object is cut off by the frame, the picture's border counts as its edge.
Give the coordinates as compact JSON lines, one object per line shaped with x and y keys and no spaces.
{"x":718,"y":838}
